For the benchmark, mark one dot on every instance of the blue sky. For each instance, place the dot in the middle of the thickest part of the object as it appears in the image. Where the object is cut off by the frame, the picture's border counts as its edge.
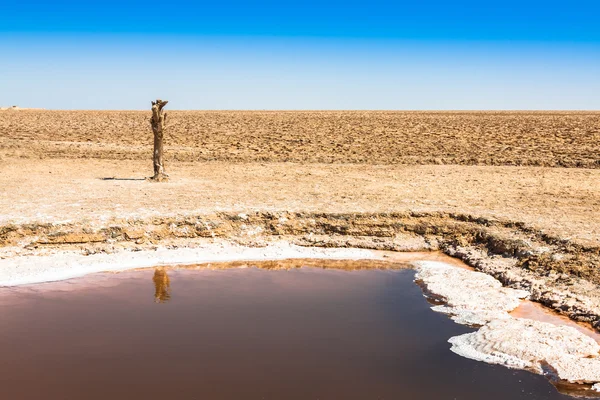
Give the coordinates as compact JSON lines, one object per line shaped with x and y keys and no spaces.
{"x":301,"y":55}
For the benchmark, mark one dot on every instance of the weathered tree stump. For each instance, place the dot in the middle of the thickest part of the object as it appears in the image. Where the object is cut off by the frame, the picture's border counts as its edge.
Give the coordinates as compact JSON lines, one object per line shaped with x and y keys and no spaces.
{"x":158,"y":120}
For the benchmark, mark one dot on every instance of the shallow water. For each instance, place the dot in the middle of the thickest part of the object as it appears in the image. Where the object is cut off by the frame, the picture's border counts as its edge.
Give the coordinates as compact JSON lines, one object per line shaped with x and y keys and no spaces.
{"x":306,"y":333}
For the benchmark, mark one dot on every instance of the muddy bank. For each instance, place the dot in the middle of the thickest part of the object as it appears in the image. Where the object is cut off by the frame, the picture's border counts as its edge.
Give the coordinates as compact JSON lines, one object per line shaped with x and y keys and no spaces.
{"x":555,"y":271}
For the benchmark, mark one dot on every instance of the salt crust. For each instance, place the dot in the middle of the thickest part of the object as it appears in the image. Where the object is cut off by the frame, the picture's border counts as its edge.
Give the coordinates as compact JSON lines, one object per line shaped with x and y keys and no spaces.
{"x":474,"y":298}
{"x":541,"y":347}
{"x":67,"y":265}
{"x":470,"y":298}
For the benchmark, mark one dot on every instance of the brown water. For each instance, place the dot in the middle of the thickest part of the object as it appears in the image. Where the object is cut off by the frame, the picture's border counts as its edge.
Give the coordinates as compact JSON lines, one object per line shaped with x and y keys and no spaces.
{"x":304,"y":333}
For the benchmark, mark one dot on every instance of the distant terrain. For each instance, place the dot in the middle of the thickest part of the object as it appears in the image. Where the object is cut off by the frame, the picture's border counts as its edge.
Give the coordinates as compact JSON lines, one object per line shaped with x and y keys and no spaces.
{"x":17,"y":108}
{"x":554,"y":139}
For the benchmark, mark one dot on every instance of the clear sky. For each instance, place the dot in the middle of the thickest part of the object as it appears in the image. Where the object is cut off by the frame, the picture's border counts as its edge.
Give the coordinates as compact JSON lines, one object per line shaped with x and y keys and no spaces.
{"x":73,"y":54}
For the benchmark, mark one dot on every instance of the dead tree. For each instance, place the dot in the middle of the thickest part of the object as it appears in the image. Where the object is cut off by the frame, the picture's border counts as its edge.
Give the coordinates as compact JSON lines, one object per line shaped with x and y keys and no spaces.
{"x":158,"y":120}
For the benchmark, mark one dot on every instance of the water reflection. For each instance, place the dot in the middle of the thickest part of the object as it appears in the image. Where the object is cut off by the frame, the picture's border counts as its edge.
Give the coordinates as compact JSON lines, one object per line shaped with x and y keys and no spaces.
{"x":162,"y":286}
{"x":302,"y":334}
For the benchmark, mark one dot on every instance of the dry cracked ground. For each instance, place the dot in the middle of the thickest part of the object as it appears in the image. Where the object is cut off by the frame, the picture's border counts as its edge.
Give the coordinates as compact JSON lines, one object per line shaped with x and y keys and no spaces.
{"x":516,"y":194}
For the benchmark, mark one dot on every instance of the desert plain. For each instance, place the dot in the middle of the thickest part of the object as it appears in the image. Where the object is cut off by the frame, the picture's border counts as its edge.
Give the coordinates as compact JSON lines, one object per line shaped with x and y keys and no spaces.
{"x":512,"y":194}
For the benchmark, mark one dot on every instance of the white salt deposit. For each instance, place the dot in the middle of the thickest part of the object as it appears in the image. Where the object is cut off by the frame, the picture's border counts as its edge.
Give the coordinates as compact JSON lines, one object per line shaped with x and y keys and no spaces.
{"x":473,"y":298}
{"x":66,"y":265}
{"x":537,"y":346}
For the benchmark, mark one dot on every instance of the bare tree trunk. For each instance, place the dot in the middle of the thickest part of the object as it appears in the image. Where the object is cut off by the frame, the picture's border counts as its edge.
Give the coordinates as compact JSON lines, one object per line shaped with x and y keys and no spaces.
{"x":158,"y":121}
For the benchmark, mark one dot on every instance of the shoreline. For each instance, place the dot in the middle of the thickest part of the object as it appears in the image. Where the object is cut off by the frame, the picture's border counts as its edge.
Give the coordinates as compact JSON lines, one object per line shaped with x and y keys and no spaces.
{"x":504,"y":316}
{"x":63,"y":265}
{"x":557,"y":272}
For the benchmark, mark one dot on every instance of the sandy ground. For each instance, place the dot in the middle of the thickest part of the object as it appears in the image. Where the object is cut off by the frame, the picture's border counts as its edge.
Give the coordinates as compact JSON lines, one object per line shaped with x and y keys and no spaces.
{"x":367,"y":137}
{"x":560,"y":201}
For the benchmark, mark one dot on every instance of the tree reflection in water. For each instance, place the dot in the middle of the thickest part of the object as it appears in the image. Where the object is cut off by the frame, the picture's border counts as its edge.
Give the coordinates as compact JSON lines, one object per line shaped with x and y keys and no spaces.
{"x":162,"y":286}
